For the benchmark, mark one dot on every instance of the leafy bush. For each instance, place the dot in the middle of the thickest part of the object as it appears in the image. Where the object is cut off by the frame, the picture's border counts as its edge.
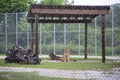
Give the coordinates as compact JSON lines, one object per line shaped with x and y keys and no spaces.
{"x":3,"y":47}
{"x":108,"y":51}
{"x":117,"y":50}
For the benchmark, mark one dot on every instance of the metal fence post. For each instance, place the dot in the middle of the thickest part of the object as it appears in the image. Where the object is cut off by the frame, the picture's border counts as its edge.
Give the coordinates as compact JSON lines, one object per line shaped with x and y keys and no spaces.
{"x":16,"y":28}
{"x":28,"y":38}
{"x":79,"y":37}
{"x":40,"y":39}
{"x":54,"y":37}
{"x":113,"y":30}
{"x":64,"y":34}
{"x":95,"y":23}
{"x":6,"y":33}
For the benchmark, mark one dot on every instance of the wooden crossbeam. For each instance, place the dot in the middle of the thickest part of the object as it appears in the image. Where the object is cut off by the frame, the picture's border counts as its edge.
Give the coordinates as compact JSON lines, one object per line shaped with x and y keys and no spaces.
{"x":65,"y":11}
{"x":63,"y":21}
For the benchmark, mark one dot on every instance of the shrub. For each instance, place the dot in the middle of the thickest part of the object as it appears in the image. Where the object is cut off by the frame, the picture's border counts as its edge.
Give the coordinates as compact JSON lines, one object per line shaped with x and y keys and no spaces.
{"x":117,"y":50}
{"x":108,"y":51}
{"x":3,"y":47}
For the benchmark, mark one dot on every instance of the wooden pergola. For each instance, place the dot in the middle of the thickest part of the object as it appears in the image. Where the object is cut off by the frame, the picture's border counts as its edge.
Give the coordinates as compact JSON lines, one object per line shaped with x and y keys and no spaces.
{"x":39,"y":13}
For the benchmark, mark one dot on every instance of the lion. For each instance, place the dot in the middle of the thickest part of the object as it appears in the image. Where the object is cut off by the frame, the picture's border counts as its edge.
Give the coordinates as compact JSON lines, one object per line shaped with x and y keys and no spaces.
{"x":66,"y":54}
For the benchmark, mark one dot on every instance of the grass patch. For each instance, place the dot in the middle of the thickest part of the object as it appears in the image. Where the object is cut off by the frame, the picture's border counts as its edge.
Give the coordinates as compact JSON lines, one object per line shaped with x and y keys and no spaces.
{"x":91,"y":59}
{"x":26,"y":76}
{"x":77,"y":58}
{"x":2,"y":54}
{"x":81,"y":65}
{"x":66,"y":65}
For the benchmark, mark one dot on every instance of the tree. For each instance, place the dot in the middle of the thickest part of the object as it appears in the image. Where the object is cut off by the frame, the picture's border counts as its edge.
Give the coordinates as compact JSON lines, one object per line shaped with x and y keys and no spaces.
{"x":52,"y":2}
{"x":11,"y":6}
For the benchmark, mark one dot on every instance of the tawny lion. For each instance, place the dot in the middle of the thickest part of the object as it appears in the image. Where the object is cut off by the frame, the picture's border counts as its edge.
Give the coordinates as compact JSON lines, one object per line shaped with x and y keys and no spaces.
{"x":66,"y":54}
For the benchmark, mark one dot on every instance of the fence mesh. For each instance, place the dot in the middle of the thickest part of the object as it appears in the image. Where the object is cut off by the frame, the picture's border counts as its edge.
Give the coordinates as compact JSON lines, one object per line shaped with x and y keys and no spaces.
{"x":14,"y":30}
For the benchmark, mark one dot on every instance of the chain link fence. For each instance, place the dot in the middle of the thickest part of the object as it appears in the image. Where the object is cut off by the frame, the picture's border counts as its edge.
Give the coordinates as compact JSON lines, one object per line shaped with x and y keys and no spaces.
{"x":14,"y":30}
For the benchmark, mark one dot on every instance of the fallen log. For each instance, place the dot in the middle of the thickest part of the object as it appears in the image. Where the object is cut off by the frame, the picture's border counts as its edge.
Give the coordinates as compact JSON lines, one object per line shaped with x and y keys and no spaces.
{"x":18,"y":54}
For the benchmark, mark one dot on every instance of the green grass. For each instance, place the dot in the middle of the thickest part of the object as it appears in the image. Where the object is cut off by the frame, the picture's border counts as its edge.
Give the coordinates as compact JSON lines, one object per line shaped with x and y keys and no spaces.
{"x":26,"y":76}
{"x":95,"y":59}
{"x":2,"y":54}
{"x":77,"y":58}
{"x":66,"y":65}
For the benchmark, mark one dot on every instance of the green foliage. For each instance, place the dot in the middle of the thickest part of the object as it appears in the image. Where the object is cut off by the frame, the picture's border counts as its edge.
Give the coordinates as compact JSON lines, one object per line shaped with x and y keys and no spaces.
{"x":3,"y":47}
{"x":47,"y":48}
{"x":117,"y":50}
{"x":9,"y":6}
{"x":23,"y":25}
{"x":108,"y":51}
{"x":116,"y":15}
{"x":52,"y":2}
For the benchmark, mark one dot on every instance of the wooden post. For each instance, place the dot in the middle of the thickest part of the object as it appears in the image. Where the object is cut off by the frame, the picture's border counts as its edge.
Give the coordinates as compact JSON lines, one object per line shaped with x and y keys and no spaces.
{"x":85,"y":40}
{"x":31,"y":38}
{"x":36,"y":36}
{"x":103,"y":38}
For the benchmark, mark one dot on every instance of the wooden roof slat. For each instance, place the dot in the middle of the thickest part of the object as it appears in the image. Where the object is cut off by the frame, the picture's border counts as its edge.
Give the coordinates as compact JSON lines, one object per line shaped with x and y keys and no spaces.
{"x":71,"y":7}
{"x":77,"y":12}
{"x":68,"y":11}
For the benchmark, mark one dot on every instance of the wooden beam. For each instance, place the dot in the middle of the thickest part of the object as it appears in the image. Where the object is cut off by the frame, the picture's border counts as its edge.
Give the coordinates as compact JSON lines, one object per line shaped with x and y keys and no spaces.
{"x":63,"y":21}
{"x":31,"y":37}
{"x":36,"y":35}
{"x":86,"y":26}
{"x":67,"y":11}
{"x":70,"y":7}
{"x":103,"y":39}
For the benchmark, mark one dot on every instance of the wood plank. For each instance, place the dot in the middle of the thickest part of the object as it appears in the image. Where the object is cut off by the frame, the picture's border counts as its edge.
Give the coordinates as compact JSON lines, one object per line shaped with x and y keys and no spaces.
{"x":36,"y":36}
{"x":72,"y":12}
{"x":103,"y":39}
{"x":32,"y":35}
{"x":86,"y":34}
{"x":63,"y":21}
